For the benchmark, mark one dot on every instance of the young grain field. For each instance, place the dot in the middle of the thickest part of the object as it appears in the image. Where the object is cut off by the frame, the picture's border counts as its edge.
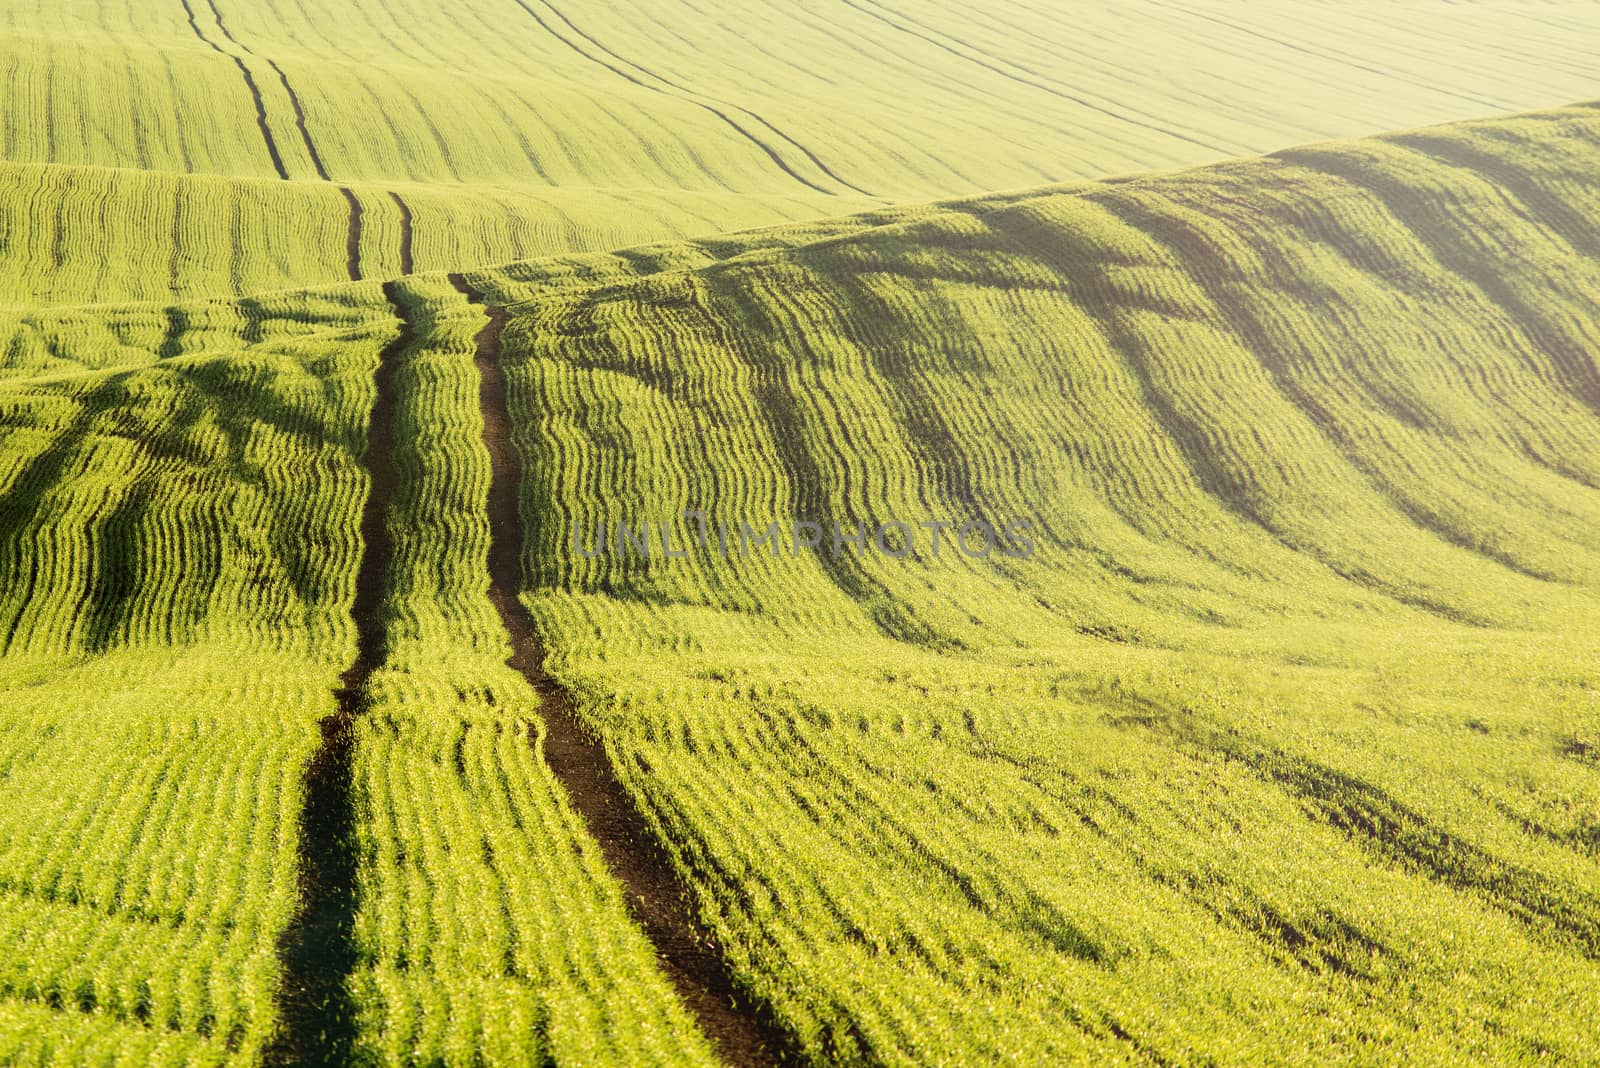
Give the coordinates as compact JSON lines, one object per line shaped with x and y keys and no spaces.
{"x":342,"y":723}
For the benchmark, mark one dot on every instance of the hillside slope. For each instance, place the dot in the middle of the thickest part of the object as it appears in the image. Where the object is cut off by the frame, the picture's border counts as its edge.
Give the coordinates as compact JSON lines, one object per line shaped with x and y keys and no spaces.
{"x":1279,"y":746}
{"x":519,"y":128}
{"x":87,"y":234}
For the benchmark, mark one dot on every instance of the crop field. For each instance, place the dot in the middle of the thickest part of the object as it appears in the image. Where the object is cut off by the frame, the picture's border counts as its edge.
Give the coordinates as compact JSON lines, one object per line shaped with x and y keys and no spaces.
{"x":849,"y":532}
{"x":1280,"y":746}
{"x":166,"y":149}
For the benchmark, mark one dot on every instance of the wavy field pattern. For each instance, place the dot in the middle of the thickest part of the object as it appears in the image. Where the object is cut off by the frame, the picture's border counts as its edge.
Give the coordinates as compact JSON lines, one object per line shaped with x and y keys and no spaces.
{"x":177,"y":540}
{"x":1296,"y":692}
{"x":192,"y":147}
{"x":407,"y":661}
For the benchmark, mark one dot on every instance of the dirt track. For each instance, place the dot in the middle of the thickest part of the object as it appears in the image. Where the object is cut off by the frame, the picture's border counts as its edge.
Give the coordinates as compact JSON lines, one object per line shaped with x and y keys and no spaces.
{"x":318,"y":946}
{"x":579,"y":760}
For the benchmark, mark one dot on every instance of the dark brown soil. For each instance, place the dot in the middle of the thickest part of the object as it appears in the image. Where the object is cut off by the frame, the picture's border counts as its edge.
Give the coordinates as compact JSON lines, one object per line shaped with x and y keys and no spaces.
{"x":578,"y":759}
{"x":352,"y":240}
{"x":250,"y":84}
{"x":299,"y":117}
{"x":406,"y":265}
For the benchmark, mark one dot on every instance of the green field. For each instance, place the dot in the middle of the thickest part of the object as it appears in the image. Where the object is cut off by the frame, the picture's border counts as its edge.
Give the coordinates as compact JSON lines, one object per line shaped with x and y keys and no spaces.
{"x":341,"y":724}
{"x":160,"y":149}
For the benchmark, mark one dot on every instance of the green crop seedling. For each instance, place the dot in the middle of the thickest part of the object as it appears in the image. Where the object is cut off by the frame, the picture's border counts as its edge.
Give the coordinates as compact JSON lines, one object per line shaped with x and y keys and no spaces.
{"x":846,"y":532}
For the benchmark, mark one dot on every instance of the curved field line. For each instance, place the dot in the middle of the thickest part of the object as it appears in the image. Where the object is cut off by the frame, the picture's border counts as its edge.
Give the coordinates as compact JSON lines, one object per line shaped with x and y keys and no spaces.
{"x":300,"y":122}
{"x":1080,"y":101}
{"x":1154,"y":125}
{"x":1208,"y":267}
{"x":352,"y":240}
{"x":771,"y":153}
{"x":406,"y":263}
{"x":223,"y":26}
{"x":1331,"y":56}
{"x":1430,"y":223}
{"x":294,"y":98}
{"x":579,"y":760}
{"x":691,"y":94}
{"x":250,"y":84}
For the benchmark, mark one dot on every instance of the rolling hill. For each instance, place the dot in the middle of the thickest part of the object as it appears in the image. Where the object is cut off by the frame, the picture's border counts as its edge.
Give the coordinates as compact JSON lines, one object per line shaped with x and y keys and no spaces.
{"x":331,"y":731}
{"x":166,"y":149}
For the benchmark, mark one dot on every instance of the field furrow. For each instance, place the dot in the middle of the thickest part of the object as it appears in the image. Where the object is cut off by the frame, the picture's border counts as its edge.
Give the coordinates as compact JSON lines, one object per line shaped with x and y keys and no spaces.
{"x":876,"y":575}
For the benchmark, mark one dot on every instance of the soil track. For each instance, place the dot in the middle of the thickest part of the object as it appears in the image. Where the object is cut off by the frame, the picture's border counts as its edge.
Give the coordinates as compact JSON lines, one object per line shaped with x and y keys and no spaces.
{"x":620,"y":72}
{"x":249,"y":83}
{"x":579,"y":760}
{"x":300,"y":122}
{"x":693,"y":97}
{"x":352,"y":239}
{"x":1120,"y":116}
{"x":318,"y":948}
{"x":353,"y":228}
{"x":406,"y":265}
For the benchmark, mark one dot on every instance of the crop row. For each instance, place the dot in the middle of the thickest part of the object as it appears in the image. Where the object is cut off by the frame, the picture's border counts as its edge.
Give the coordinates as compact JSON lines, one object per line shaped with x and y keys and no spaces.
{"x":183,"y":490}
{"x":1280,"y":745}
{"x":819,"y":102}
{"x":178,"y":534}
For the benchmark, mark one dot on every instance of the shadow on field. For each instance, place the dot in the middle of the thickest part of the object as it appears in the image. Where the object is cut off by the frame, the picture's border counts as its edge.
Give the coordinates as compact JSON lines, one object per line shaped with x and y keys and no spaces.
{"x":1387,"y":827}
{"x":317,"y":1013}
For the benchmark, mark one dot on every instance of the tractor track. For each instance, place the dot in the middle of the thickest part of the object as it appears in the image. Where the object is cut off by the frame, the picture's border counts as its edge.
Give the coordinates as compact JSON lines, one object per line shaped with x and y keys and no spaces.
{"x":249,"y":83}
{"x":1110,"y":112}
{"x":352,"y":239}
{"x":688,"y":97}
{"x":691,"y":95}
{"x":354,"y":216}
{"x":300,"y":120}
{"x":578,"y":759}
{"x":318,"y":947}
{"x":406,"y":263}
